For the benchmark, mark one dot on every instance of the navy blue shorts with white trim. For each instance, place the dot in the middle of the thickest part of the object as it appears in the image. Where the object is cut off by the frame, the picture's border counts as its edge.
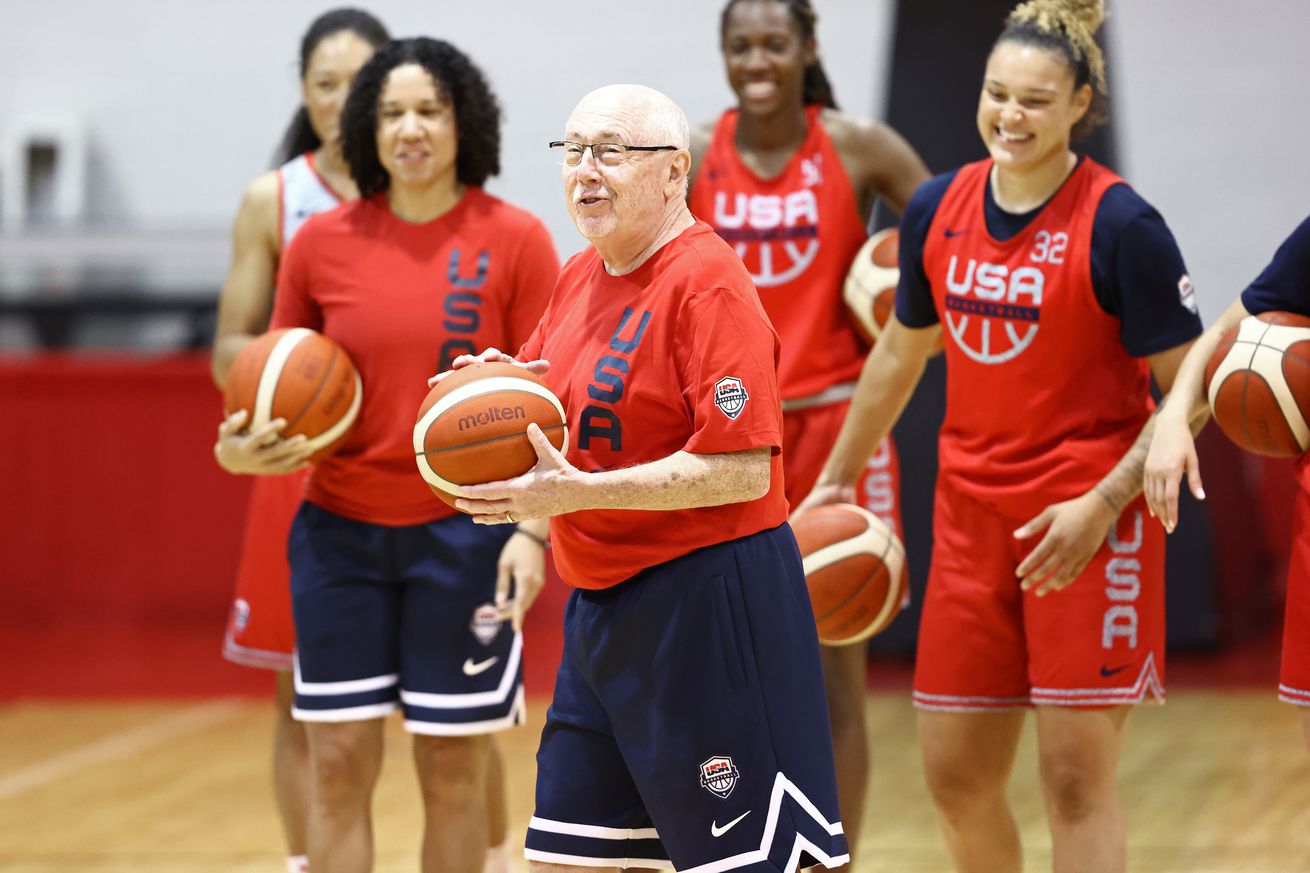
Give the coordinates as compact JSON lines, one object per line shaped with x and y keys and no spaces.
{"x":689,"y":727}
{"x":402,"y":616}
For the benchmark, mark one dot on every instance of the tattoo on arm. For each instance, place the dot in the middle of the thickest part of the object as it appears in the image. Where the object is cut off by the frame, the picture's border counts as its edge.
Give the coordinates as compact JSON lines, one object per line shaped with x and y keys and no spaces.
{"x":1124,"y":482}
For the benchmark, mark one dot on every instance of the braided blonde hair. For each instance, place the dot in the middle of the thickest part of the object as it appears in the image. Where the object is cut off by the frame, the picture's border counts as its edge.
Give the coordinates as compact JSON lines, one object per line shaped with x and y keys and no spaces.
{"x":1069,"y":27}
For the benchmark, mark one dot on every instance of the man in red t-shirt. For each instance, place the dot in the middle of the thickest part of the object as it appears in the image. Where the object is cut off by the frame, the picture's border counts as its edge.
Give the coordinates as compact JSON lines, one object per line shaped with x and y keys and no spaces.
{"x":688,"y":725}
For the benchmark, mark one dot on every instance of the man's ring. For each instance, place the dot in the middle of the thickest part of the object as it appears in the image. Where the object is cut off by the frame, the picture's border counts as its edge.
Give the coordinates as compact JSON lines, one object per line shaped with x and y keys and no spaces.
{"x":509,"y":519}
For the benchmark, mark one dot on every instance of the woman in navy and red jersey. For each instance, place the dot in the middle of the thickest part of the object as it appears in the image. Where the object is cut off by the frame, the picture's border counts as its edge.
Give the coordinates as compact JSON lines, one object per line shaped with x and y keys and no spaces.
{"x":1283,"y":286}
{"x":791,"y":182}
{"x":1062,"y":292}
{"x":392,"y":590}
{"x":312,"y":177}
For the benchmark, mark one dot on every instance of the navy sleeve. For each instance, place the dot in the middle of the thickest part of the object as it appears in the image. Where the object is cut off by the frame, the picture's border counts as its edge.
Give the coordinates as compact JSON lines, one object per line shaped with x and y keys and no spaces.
{"x":1139,"y":275}
{"x":1284,"y":285}
{"x":914,"y":306}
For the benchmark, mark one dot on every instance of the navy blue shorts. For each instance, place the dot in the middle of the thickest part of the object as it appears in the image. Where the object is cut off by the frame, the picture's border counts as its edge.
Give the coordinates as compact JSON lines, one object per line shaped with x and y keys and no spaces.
{"x":402,"y":616}
{"x":689,"y":728}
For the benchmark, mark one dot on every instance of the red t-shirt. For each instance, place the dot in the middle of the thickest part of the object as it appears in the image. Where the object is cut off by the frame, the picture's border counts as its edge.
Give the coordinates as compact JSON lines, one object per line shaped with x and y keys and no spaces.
{"x":797,"y":234}
{"x":676,"y":356}
{"x":1042,"y":398}
{"x":403,"y":300}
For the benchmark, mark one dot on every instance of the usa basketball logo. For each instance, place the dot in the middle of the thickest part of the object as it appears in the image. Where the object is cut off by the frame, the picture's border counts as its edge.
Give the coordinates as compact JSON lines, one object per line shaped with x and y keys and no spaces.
{"x":1186,"y":295}
{"x":730,"y":396}
{"x":240,"y":614}
{"x":775,"y":235}
{"x":486,"y":623}
{"x":992,"y":310}
{"x":719,"y":776}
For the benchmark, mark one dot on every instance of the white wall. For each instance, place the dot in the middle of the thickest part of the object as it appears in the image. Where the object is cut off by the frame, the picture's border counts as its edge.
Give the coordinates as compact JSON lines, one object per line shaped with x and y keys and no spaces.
{"x":1211,"y":102}
{"x":184,"y":101}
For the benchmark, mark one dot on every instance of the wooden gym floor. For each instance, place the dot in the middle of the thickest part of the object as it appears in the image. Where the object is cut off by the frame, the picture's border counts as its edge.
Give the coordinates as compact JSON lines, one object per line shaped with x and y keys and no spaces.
{"x":1214,"y":782}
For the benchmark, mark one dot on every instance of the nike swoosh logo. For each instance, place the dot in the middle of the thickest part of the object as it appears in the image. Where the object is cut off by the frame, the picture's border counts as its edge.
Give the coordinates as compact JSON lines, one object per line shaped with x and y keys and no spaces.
{"x":1105,"y":673}
{"x":951,"y":234}
{"x":472,"y":669}
{"x":720,"y":831}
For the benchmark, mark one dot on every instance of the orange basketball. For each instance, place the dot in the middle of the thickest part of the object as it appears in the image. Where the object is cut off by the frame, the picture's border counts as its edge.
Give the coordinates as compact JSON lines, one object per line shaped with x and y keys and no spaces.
{"x":299,"y":375}
{"x":1259,"y":383}
{"x":473,"y":426}
{"x":870,"y":288}
{"x":855,"y":570}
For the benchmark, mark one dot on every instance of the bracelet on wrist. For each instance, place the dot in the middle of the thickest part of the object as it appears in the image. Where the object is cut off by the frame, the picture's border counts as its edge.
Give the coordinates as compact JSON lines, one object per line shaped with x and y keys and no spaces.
{"x":544,"y":543}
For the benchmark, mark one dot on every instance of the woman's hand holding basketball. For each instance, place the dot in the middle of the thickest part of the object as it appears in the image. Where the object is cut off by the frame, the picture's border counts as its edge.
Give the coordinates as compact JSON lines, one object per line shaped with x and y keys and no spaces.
{"x":823,"y":495}
{"x":537,"y":367}
{"x":520,"y":575}
{"x":259,"y":452}
{"x":1172,"y":453}
{"x":1075,"y":531}
{"x":552,"y":487}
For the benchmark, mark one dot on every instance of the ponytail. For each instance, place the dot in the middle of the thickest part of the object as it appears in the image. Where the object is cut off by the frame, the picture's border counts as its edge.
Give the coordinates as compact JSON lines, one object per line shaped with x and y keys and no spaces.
{"x":1067,"y":27}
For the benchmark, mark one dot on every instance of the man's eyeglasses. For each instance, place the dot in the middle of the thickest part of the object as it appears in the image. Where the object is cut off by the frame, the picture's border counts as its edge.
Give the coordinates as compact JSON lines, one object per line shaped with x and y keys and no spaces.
{"x":607,"y":154}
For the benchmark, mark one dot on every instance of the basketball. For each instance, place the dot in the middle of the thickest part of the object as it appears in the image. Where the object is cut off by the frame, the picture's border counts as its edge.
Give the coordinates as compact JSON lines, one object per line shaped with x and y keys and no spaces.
{"x":1259,"y":384}
{"x":870,"y":288}
{"x":299,"y":375}
{"x":855,"y":571}
{"x":473,"y":426}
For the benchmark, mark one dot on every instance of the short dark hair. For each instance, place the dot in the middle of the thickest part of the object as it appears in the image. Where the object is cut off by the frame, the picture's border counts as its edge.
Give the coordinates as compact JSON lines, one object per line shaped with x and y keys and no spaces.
{"x":458,"y":79}
{"x":815,"y":87}
{"x":300,"y":136}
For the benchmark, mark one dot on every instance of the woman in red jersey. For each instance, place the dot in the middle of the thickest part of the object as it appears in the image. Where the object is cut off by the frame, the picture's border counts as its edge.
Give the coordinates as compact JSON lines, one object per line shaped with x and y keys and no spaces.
{"x":791,"y":181}
{"x":1283,"y":286}
{"x":312,"y":177}
{"x":392,"y":590}
{"x":1062,"y":292}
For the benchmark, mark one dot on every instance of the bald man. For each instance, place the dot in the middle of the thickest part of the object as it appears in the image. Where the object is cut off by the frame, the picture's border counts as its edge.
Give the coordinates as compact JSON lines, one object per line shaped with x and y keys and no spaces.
{"x":689,"y":728}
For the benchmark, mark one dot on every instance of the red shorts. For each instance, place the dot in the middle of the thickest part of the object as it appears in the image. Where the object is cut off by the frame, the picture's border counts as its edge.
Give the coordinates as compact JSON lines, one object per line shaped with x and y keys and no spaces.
{"x":1294,"y":678}
{"x":807,"y":438}
{"x":984,"y":644}
{"x":260,"y":630}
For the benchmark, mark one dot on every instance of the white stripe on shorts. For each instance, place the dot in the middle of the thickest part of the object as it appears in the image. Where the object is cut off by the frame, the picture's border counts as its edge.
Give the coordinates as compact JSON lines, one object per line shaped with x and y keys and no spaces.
{"x":470,"y":728}
{"x":583,"y":861}
{"x":349,"y":713}
{"x":1296,"y":696}
{"x":597,"y":832}
{"x":476,"y":698}
{"x":349,"y":686}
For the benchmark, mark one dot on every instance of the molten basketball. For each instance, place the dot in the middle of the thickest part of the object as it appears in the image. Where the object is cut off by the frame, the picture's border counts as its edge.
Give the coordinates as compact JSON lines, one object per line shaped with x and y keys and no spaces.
{"x":1259,"y":383}
{"x":855,"y":570}
{"x":473,"y":426}
{"x":299,"y":375}
{"x":870,"y":288}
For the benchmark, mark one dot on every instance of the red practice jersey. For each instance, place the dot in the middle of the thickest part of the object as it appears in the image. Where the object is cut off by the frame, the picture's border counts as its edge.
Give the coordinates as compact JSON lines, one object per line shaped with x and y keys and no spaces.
{"x":797,"y":233}
{"x":404,"y":300}
{"x":1042,"y":399}
{"x":676,"y":356}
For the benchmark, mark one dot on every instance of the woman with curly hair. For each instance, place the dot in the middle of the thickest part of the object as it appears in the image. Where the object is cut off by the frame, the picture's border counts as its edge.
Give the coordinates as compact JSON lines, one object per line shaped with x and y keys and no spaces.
{"x":1063,"y":292}
{"x":393,"y":591}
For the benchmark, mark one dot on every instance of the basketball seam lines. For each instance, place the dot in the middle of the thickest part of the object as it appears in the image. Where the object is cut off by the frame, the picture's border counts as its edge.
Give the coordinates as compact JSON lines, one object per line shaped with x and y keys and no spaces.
{"x":1255,"y":348}
{"x":332,"y":362}
{"x":507,"y":436}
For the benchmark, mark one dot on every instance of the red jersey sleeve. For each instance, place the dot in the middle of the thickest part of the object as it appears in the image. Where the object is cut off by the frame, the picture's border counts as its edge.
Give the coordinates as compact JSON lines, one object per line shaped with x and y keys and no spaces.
{"x":729,"y":355}
{"x":535,"y":272}
{"x":293,"y":305}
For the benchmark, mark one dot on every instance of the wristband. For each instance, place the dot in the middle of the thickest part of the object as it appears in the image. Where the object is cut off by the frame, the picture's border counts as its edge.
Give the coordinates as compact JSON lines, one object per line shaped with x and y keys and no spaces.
{"x":545,"y":544}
